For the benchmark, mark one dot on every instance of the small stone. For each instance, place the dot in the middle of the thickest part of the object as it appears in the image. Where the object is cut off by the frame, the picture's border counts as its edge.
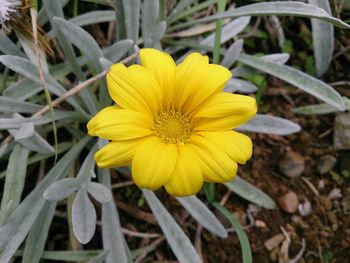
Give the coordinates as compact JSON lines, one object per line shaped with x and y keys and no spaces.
{"x":289,"y":202}
{"x":292,"y":164}
{"x":260,"y":224}
{"x":326,"y":163}
{"x":305,"y":208}
{"x":274,"y":241}
{"x":342,"y":131}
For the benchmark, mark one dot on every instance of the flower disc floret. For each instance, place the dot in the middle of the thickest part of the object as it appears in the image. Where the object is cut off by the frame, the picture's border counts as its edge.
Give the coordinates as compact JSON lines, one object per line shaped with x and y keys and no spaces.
{"x":172,"y":127}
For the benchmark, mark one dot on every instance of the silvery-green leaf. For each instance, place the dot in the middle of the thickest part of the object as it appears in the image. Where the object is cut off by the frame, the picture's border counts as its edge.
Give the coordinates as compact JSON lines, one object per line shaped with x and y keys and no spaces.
{"x":8,"y":47}
{"x":115,"y":52}
{"x":311,"y":85}
{"x":101,"y":258}
{"x":132,"y":18}
{"x":270,"y":125}
{"x":240,"y":85}
{"x":29,"y":48}
{"x":6,"y":211}
{"x":232,"y":53}
{"x":14,"y":105}
{"x":182,"y":5}
{"x":82,"y":40}
{"x":278,"y":28}
{"x":15,"y":178}
{"x":61,"y":189}
{"x":93,"y":17}
{"x":322,"y":38}
{"x":112,"y":235}
{"x":247,"y":72}
{"x":278,"y":58}
{"x":106,"y":64}
{"x":24,"y":132}
{"x":278,"y":8}
{"x":16,"y":228}
{"x":315,"y":109}
{"x":53,"y":9}
{"x":178,"y":241}
{"x":29,"y":70}
{"x":29,"y":138}
{"x":101,"y":193}
{"x":84,"y":174}
{"x":38,"y":234}
{"x":150,"y":11}
{"x":203,"y":215}
{"x":228,"y":31}
{"x":83,"y":217}
{"x":250,"y":192}
{"x":159,"y":31}
{"x":22,"y":89}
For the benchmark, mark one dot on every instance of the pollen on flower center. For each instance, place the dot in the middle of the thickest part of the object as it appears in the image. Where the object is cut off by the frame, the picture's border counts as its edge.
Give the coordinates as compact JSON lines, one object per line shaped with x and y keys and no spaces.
{"x":172,"y":126}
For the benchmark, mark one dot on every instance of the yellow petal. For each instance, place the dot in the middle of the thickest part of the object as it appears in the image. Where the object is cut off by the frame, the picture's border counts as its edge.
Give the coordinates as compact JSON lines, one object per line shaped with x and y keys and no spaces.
{"x":134,"y":88}
{"x":224,"y":111}
{"x":154,"y":163}
{"x":237,"y":145}
{"x":196,"y":80}
{"x":113,"y":123}
{"x":162,"y":66}
{"x":225,"y":104}
{"x":187,"y":178}
{"x":117,"y":153}
{"x":216,"y":164}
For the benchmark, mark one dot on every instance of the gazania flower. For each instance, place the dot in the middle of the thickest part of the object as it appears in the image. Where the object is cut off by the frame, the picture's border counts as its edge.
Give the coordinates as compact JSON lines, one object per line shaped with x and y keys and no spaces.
{"x":173,"y":124}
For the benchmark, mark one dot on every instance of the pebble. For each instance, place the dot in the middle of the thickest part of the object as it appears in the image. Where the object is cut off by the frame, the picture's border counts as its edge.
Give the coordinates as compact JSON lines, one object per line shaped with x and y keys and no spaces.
{"x":326,"y":202}
{"x":292,"y":164}
{"x":289,"y":202}
{"x":342,"y":132}
{"x":326,"y":163}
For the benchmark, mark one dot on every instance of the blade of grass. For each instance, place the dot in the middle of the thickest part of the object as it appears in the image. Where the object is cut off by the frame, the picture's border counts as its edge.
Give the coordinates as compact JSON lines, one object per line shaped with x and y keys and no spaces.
{"x":216,"y":55}
{"x":242,"y":236}
{"x":34,"y":16}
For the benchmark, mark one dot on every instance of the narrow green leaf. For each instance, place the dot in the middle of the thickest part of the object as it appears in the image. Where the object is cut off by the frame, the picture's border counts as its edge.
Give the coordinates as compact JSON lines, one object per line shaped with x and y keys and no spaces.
{"x":16,"y":228}
{"x":250,"y":192}
{"x":203,"y":215}
{"x":100,"y":258}
{"x":67,"y":255}
{"x":311,"y":85}
{"x":242,"y":236}
{"x":178,"y":241}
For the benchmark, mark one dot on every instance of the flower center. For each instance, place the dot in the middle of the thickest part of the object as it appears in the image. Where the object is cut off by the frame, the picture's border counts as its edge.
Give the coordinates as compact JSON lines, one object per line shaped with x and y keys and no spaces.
{"x":172,"y":126}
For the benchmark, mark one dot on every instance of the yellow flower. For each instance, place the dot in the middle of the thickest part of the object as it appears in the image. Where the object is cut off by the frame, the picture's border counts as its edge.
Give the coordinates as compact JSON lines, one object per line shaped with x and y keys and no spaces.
{"x":173,"y":124}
